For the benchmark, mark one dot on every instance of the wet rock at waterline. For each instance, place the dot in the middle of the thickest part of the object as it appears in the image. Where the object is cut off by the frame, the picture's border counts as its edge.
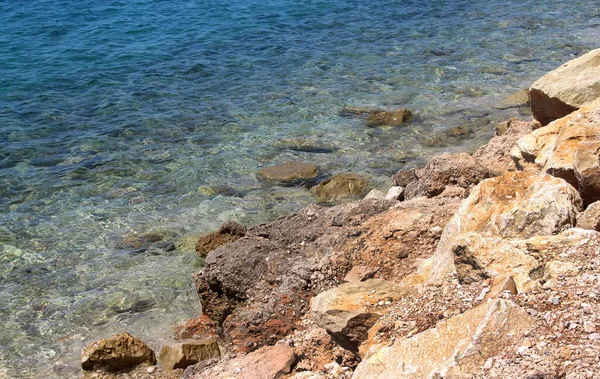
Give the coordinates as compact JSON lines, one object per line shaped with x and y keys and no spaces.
{"x":567,"y":88}
{"x":289,"y":172}
{"x":228,"y":232}
{"x":341,"y":186}
{"x":115,"y":353}
{"x":385,"y":118}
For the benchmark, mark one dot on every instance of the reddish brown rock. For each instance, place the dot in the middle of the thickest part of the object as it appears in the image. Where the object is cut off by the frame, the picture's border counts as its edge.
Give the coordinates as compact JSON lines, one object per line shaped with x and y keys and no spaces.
{"x":227,"y":233}
{"x":119,"y":352}
{"x":459,"y":170}
{"x":360,"y":273}
{"x":196,"y":328}
{"x":271,"y":362}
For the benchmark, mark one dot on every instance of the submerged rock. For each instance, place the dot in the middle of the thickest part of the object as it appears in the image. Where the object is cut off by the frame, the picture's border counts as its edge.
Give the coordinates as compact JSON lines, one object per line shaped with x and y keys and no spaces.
{"x":567,"y":88}
{"x":289,"y":172}
{"x":340,"y":187}
{"x":395,"y":118}
{"x":517,"y":99}
{"x":115,"y":353}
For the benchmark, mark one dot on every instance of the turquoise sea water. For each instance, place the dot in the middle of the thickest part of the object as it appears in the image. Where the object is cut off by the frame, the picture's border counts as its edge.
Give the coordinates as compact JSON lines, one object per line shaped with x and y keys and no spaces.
{"x":119,"y":118}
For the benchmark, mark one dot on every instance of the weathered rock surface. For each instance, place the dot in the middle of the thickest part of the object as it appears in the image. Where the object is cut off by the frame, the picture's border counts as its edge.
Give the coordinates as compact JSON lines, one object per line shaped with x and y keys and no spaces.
{"x":375,"y":194}
{"x":271,"y":362}
{"x":457,"y":346}
{"x":460,"y":170}
{"x":495,"y":155}
{"x":289,"y":172}
{"x":394,"y":241}
{"x":119,"y":352}
{"x":258,"y":286}
{"x":395,"y":118}
{"x":516,"y":205}
{"x":186,"y":353}
{"x":563,"y":145}
{"x":228,"y":232}
{"x":360,"y":273}
{"x":341,"y":186}
{"x":586,"y":165}
{"x":567,"y":88}
{"x":348,"y":311}
{"x":590,"y":218}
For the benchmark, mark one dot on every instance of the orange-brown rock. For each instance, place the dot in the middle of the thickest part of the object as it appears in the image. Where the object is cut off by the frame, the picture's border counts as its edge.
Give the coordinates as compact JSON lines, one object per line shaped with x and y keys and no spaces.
{"x":119,"y":352}
{"x":567,"y":88}
{"x":228,"y":232}
{"x":586,"y":164}
{"x":455,"y":347}
{"x":196,"y":328}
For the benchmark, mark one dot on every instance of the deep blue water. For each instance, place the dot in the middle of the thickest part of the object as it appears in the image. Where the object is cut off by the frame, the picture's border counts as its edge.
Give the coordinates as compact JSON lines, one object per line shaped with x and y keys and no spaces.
{"x":126,"y":117}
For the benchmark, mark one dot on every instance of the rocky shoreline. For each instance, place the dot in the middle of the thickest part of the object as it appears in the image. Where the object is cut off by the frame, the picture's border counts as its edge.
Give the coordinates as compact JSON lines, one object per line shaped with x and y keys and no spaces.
{"x":482,"y":265}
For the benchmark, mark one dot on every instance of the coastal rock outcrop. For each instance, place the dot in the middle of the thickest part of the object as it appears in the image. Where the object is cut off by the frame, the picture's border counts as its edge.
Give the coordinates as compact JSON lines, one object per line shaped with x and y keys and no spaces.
{"x":567,"y":88}
{"x":119,"y":352}
{"x":341,"y":186}
{"x":258,"y":286}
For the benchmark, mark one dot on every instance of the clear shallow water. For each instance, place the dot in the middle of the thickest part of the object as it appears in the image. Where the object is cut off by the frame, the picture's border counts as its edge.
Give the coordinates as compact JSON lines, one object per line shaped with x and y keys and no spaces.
{"x":125,"y":117}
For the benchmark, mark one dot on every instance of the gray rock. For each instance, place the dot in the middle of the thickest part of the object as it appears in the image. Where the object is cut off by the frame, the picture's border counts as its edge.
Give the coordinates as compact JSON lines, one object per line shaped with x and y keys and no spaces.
{"x":395,"y":193}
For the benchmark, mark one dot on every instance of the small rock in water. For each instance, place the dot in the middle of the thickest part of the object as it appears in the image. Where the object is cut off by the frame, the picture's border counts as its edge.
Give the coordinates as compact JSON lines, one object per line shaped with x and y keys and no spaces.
{"x":395,"y":118}
{"x":289,"y":172}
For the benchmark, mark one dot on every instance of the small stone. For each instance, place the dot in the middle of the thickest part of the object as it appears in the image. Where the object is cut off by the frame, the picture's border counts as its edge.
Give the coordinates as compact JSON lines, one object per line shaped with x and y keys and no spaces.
{"x":594,"y":336}
{"x":151,"y":369}
{"x":589,"y":327}
{"x":488,"y":364}
{"x":522,"y":350}
{"x":395,"y":193}
{"x":375,"y":194}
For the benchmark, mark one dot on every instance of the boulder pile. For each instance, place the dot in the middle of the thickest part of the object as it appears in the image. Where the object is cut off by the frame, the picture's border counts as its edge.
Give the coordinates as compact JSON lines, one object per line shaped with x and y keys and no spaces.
{"x":486,"y":265}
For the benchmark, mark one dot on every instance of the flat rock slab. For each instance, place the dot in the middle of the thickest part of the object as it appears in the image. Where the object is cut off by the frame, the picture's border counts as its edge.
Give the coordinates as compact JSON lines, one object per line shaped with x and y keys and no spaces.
{"x":271,"y":362}
{"x":119,"y":352}
{"x":567,"y":88}
{"x":289,"y":172}
{"x":186,"y":353}
{"x":455,"y":347}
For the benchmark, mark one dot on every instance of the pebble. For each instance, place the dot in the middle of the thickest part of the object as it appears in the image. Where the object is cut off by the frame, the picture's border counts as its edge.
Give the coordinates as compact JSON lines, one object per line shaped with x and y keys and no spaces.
{"x":522,"y":350}
{"x":594,"y":336}
{"x":151,"y":369}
